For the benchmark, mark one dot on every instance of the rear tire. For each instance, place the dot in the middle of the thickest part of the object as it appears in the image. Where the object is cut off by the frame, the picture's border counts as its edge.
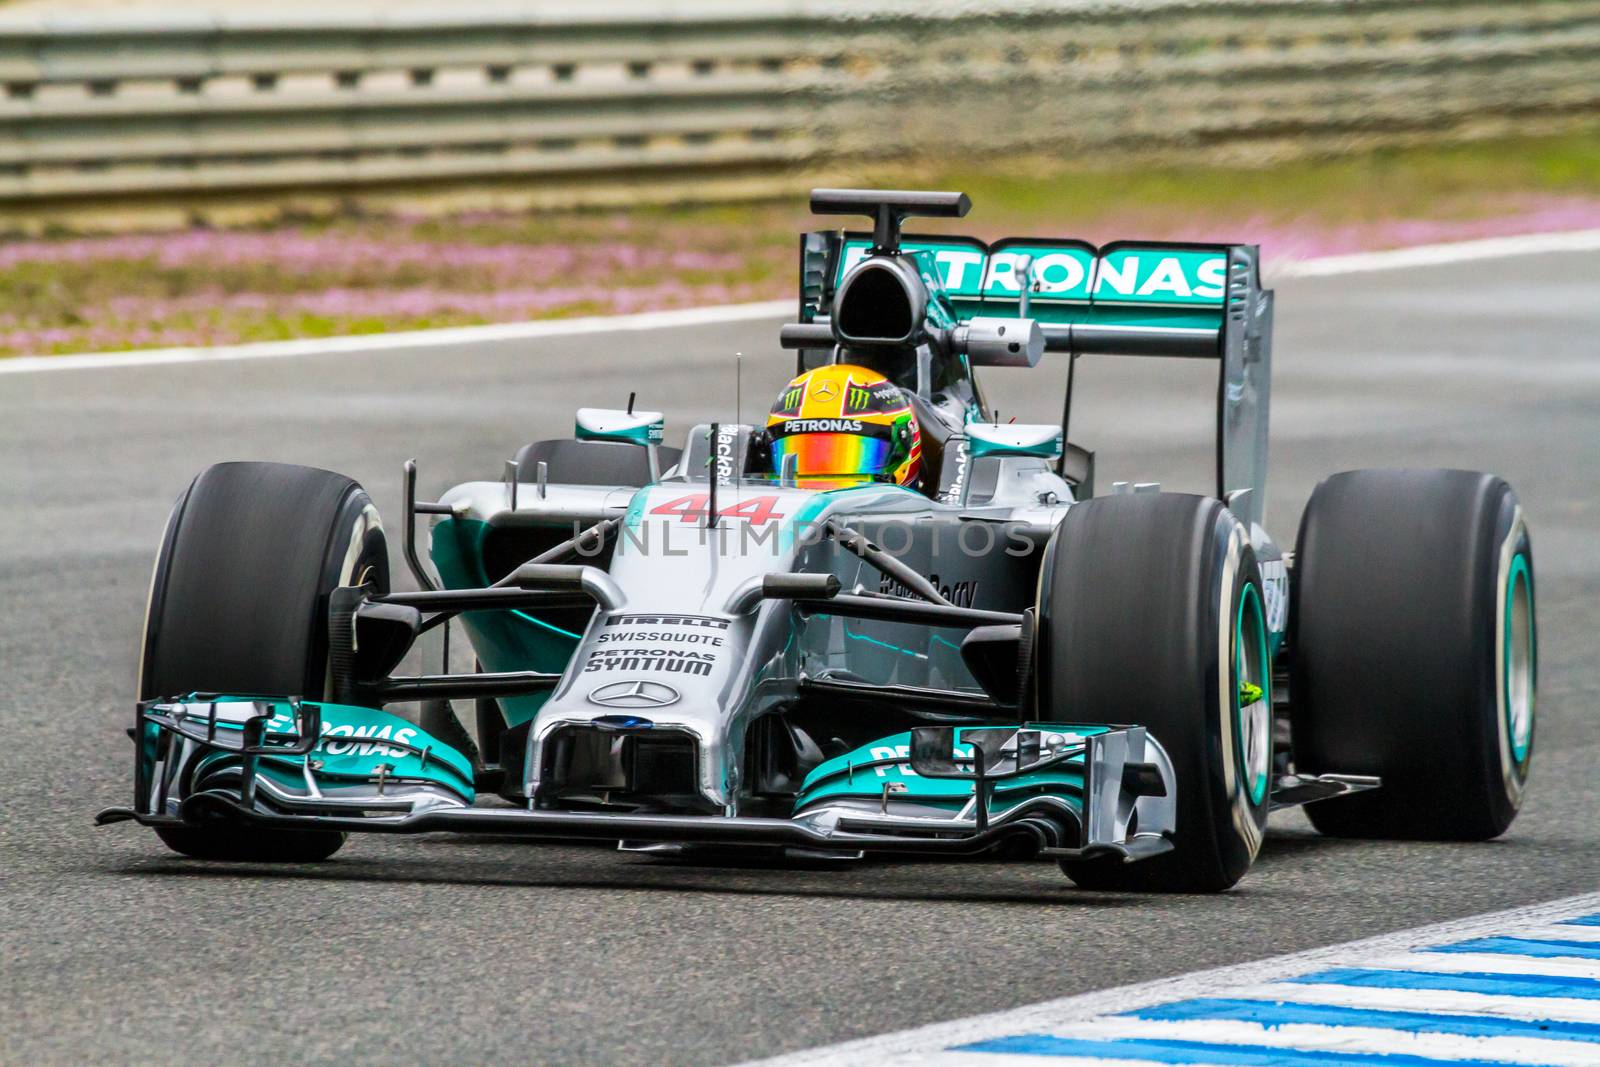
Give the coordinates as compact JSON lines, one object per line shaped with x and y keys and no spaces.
{"x":1414,"y":652}
{"x":1151,"y":613}
{"x":238,"y":604}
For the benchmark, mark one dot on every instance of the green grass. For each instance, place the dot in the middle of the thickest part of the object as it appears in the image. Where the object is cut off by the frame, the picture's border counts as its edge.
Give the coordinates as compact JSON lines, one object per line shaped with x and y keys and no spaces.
{"x":1463,"y":181}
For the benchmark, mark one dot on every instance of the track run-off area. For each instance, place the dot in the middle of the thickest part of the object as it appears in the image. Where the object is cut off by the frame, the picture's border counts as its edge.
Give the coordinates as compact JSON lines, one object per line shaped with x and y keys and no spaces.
{"x":443,"y":949}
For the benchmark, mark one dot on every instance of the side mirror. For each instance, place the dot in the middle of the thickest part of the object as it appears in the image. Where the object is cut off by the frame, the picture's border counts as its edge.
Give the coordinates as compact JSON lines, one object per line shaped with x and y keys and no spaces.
{"x":1042,"y":440}
{"x":629,"y":427}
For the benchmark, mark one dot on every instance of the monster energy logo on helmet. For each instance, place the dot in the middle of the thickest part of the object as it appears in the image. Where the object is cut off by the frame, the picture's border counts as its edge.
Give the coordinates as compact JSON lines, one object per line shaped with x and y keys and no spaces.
{"x":789,"y":402}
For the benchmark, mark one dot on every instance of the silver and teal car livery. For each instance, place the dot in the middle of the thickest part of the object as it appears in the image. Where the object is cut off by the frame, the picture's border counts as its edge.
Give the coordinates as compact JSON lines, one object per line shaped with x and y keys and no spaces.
{"x":681,"y":647}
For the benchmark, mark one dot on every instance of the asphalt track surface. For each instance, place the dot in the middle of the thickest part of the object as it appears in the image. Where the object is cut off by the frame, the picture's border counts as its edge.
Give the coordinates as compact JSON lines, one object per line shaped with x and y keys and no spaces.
{"x":437,"y":949}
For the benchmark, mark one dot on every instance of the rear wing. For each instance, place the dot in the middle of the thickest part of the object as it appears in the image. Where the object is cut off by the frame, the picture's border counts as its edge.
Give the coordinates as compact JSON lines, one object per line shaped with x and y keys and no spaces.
{"x":1126,"y":298}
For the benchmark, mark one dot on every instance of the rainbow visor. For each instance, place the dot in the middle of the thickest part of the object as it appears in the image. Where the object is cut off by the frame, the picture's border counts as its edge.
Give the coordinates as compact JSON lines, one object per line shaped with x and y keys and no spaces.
{"x":824,"y":454}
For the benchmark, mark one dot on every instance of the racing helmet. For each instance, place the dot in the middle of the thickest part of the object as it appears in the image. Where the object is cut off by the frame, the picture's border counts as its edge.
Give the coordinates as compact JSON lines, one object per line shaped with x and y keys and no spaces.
{"x":845,"y":423}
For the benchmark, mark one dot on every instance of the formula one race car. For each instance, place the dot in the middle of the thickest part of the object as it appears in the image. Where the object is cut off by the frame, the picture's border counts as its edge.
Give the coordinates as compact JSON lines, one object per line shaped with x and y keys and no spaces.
{"x":881,"y":623}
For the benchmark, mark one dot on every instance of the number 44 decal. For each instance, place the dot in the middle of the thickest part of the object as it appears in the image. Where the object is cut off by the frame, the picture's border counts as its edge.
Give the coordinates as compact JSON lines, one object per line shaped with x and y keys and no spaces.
{"x":692,"y":508}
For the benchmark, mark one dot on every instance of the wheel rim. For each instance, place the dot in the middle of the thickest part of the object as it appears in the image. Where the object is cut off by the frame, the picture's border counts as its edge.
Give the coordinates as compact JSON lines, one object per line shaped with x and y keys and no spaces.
{"x":1252,"y":694}
{"x":1519,"y":659}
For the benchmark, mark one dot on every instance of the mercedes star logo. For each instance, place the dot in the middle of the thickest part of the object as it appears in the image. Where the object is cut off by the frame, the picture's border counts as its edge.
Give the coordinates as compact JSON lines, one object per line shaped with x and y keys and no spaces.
{"x":825,"y":391}
{"x":634,"y":695}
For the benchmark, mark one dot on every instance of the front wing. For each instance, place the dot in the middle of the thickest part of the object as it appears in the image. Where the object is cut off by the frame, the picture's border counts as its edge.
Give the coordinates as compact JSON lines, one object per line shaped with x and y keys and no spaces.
{"x":318,"y":766}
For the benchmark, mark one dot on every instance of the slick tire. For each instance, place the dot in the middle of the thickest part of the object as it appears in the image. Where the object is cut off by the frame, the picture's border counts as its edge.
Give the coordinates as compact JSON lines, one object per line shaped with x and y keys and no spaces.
{"x":1151,"y":613}
{"x":1414,"y":652}
{"x":238,"y":604}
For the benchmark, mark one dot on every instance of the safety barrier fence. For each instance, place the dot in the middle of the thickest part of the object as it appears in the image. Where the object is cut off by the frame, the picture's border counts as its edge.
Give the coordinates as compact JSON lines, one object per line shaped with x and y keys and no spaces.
{"x":250,"y":105}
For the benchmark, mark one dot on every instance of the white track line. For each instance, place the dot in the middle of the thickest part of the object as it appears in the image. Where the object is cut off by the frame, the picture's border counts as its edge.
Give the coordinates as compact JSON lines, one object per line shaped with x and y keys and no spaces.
{"x":1561,"y":932}
{"x":1489,"y":963}
{"x":1393,"y":259}
{"x":925,"y":1044}
{"x":1437,"y":255}
{"x":1431,"y":1001}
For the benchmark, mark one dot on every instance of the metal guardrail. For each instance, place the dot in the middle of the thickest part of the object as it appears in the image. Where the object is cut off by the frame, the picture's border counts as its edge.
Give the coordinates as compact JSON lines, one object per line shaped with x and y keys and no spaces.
{"x":96,"y":109}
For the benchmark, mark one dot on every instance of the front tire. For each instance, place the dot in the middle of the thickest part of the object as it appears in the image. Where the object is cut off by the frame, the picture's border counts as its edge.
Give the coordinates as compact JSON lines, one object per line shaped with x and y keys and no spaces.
{"x":1414,"y":652}
{"x":239,"y":604}
{"x":1151,"y":613}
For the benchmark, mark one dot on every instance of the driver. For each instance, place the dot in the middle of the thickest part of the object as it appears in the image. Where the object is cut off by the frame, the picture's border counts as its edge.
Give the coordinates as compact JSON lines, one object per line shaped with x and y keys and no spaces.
{"x":845,"y":423}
